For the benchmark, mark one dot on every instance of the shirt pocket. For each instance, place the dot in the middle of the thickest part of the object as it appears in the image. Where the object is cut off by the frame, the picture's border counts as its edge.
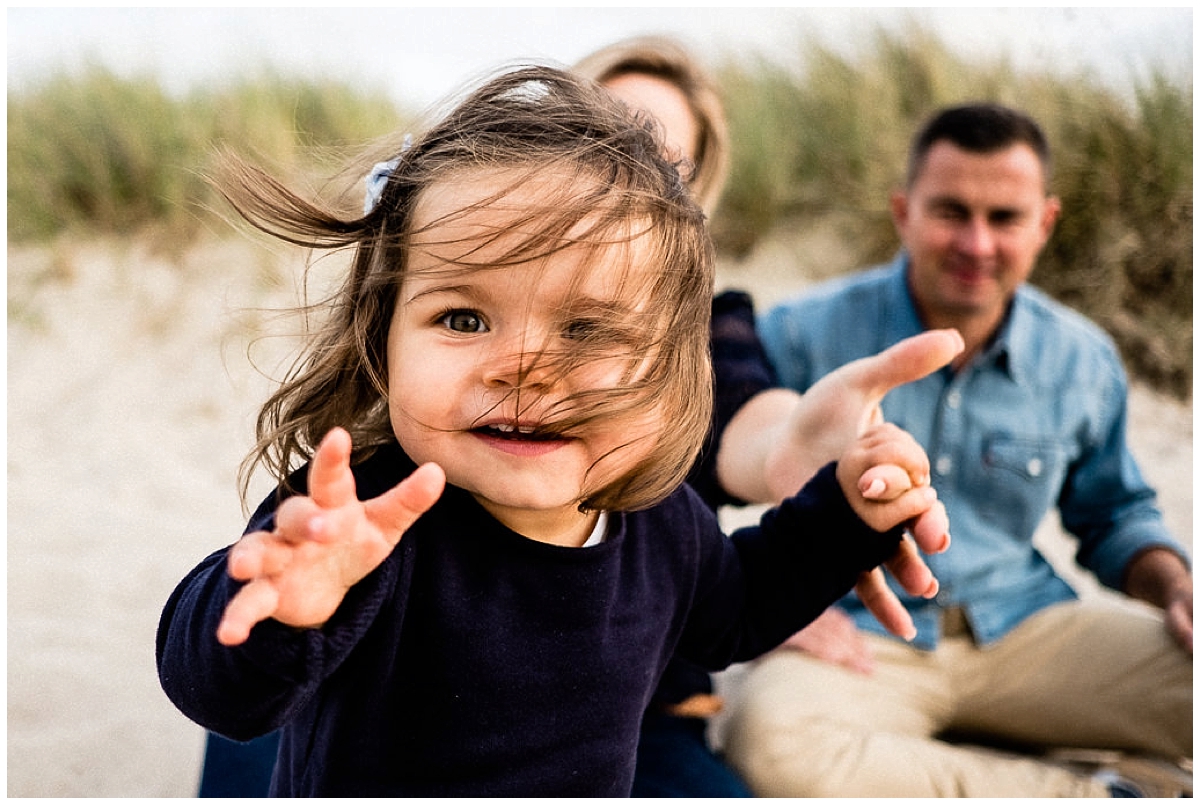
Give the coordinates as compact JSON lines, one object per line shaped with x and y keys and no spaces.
{"x":1028,"y":458}
{"x":1024,"y":475}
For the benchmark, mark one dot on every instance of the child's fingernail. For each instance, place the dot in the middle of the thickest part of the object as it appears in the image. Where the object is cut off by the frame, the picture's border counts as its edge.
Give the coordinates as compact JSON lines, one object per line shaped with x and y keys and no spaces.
{"x":316,"y":525}
{"x":876,"y":488}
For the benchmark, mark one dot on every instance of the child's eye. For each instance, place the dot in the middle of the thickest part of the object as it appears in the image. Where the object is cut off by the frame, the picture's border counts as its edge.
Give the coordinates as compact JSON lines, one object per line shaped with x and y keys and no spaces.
{"x":599,"y":332}
{"x":580,"y":330}
{"x":463,"y":321}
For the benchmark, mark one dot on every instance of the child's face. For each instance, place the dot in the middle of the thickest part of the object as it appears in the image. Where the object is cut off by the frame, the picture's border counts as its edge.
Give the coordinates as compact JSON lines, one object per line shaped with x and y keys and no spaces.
{"x":460,"y":342}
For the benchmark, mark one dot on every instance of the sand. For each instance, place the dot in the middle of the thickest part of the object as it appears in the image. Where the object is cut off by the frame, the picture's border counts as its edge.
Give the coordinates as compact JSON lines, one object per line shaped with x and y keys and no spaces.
{"x":130,"y":405}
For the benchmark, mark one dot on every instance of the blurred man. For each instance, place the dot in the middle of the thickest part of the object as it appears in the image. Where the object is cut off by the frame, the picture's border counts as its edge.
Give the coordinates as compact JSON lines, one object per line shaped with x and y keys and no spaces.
{"x":1030,"y":416}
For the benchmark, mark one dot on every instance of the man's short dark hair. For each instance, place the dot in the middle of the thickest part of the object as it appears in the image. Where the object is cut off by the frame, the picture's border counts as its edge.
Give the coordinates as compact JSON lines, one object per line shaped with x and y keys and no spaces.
{"x":981,"y":128}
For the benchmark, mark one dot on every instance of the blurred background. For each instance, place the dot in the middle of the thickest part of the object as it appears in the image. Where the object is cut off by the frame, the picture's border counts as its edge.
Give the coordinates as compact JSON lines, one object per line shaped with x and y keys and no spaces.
{"x":112,"y":113}
{"x":142,"y":331}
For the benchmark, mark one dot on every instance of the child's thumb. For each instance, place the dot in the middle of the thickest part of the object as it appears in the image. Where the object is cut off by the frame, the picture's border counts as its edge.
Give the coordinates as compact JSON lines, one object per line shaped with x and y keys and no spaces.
{"x":397,"y":509}
{"x":884,"y":482}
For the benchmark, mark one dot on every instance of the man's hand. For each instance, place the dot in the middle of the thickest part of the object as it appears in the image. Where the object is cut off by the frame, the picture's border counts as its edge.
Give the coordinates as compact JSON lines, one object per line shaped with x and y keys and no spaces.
{"x":834,"y":638}
{"x":1160,"y":577}
{"x":322,"y":545}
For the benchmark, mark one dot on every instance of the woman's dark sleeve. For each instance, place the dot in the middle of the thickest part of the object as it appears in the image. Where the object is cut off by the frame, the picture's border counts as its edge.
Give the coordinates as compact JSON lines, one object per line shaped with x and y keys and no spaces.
{"x":741,"y":370}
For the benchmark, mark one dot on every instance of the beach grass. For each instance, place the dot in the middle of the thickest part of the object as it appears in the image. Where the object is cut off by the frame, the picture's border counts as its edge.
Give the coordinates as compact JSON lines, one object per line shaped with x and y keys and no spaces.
{"x":822,"y":139}
{"x":98,"y":154}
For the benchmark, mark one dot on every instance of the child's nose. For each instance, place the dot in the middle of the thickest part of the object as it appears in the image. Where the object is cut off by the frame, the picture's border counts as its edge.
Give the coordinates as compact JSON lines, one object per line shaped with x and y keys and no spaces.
{"x":520,"y":369}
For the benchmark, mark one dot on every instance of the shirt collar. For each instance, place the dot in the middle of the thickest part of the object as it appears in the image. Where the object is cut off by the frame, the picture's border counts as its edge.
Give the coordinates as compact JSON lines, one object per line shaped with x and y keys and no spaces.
{"x":900,"y":318}
{"x":1016,"y":344}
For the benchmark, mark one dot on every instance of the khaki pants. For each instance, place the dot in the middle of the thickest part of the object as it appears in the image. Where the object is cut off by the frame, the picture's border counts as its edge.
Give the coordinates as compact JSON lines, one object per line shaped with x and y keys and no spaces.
{"x":1102,"y":675}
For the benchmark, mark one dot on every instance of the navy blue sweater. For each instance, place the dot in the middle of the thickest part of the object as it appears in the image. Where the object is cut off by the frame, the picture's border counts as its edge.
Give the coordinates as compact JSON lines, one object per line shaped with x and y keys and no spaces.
{"x":740,"y":370}
{"x":476,"y":662}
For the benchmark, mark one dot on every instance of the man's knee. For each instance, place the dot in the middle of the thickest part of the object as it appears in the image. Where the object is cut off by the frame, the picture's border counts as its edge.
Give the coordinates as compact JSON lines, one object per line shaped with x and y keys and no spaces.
{"x":782,"y":736}
{"x":777,"y":758}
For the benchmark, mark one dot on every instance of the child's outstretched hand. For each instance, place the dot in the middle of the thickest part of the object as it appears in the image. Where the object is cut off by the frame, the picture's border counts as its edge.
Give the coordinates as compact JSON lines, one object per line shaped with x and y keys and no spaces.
{"x":322,"y":545}
{"x":885,"y":476}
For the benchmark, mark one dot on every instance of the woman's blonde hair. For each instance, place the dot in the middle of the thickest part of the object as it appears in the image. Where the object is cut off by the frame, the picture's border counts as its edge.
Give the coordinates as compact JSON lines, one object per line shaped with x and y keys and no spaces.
{"x":667,"y":59}
{"x":615,"y":187}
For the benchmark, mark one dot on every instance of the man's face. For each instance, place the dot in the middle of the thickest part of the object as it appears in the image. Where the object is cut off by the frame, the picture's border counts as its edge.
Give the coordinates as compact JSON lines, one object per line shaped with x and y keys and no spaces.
{"x":973,"y":225}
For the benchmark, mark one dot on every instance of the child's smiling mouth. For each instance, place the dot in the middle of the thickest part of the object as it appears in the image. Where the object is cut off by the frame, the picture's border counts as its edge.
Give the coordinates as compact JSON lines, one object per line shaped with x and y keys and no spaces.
{"x":520,"y":440}
{"x":514,"y":431}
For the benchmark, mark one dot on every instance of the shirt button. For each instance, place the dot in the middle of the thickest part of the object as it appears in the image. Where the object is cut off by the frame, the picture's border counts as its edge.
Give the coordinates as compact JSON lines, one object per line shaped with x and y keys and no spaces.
{"x":1034,"y":467}
{"x":944,"y":465}
{"x":953,"y":399}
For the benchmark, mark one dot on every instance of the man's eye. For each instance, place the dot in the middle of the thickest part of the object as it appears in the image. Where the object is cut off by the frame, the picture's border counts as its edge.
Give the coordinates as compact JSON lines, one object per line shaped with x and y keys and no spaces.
{"x":463,"y":321}
{"x":949,"y":214}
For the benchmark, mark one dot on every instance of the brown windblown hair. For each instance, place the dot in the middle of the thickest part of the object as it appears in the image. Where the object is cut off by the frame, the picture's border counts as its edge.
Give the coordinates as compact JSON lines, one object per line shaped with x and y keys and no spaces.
{"x":615,"y":187}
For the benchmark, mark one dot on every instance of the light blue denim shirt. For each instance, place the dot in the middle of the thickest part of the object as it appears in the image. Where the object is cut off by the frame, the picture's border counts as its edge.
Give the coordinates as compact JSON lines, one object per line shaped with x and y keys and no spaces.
{"x":1035,"y":422}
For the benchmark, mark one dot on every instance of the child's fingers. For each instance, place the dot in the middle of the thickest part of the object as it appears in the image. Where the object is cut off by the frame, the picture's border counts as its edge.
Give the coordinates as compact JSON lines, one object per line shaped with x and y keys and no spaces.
{"x":931,"y":529}
{"x":255,"y":602}
{"x":246,"y":558}
{"x":882,"y":515}
{"x":886,"y":444}
{"x":879,"y":599}
{"x":330,"y":482}
{"x":398,"y":508}
{"x":884,"y":482}
{"x":260,"y":553}
{"x":300,"y":519}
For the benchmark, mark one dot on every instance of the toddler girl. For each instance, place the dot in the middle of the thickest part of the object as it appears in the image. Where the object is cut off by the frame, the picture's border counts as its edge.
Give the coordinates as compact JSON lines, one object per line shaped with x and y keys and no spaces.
{"x":475,"y":582}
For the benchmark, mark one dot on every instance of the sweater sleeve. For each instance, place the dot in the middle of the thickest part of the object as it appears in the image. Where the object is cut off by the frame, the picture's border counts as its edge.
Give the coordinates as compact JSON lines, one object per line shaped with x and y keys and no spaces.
{"x":769,"y":581}
{"x":740,"y":370}
{"x":248,"y":690}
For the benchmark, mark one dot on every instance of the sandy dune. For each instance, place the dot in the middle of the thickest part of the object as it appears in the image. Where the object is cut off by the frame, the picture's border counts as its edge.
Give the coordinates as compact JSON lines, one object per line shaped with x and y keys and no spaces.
{"x":130,"y":405}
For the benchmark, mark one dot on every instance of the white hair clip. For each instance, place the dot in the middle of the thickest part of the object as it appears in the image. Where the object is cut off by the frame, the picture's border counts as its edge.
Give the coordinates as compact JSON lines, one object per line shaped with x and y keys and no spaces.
{"x":377,"y":179}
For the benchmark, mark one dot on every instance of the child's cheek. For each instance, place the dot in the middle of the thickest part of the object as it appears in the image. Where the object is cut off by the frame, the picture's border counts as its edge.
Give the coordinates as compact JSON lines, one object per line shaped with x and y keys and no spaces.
{"x":638,"y":433}
{"x":612,"y":373}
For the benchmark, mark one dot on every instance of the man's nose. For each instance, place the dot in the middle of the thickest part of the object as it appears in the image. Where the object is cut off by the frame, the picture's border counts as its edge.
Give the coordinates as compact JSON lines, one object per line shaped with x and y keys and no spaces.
{"x":976,"y":238}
